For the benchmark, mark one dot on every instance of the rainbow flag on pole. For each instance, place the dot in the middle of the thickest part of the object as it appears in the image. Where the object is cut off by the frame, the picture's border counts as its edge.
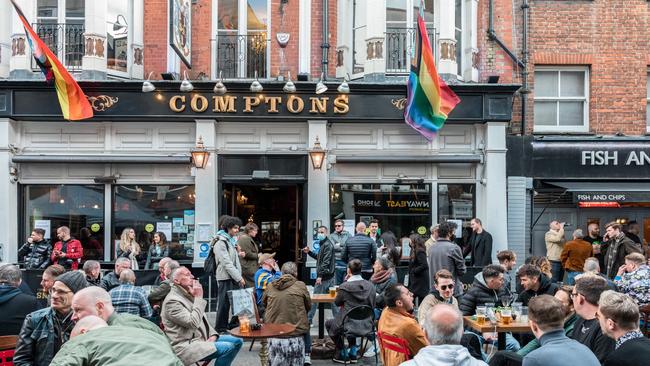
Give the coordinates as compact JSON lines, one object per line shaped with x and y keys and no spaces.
{"x":429,"y":100}
{"x":73,"y":101}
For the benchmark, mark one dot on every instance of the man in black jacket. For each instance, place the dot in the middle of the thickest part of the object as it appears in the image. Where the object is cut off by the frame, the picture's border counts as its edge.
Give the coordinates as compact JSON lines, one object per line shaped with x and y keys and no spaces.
{"x":487,"y":287}
{"x":363,"y":248}
{"x":36,"y":251}
{"x":112,"y":279}
{"x":480,"y":243}
{"x":14,"y":304}
{"x":535,"y":283}
{"x":618,"y":316}
{"x":618,"y":246}
{"x":325,"y":266}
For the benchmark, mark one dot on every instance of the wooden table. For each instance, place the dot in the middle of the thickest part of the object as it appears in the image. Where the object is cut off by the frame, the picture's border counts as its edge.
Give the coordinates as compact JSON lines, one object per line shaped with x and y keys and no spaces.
{"x":500,"y":328}
{"x":269,"y":330}
{"x":321,"y":300}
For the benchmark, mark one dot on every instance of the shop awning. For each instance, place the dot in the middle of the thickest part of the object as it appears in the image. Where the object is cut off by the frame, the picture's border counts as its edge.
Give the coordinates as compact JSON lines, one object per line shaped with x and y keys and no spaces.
{"x":611,"y":186}
{"x":102,"y":159}
{"x":456,"y":158}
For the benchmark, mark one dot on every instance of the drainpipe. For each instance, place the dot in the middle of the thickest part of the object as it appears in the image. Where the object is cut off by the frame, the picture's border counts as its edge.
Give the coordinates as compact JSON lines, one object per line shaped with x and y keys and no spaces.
{"x":493,"y":36}
{"x":325,"y":45}
{"x":524,"y":71}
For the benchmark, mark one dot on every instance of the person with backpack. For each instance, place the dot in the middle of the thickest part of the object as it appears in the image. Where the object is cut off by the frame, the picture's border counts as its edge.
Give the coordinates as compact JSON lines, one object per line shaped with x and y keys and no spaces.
{"x":228,"y":268}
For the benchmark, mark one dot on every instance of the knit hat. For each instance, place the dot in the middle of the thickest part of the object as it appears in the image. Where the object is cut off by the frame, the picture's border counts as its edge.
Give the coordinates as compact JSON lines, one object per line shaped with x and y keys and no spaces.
{"x":75,"y":280}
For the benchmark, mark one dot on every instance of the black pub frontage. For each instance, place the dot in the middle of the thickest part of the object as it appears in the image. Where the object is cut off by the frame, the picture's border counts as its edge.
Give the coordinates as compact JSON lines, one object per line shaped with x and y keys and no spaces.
{"x":577,"y":180}
{"x":129,"y":166}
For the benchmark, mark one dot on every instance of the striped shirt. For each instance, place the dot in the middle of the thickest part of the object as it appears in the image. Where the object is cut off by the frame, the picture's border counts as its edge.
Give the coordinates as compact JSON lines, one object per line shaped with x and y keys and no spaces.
{"x":262,"y":278}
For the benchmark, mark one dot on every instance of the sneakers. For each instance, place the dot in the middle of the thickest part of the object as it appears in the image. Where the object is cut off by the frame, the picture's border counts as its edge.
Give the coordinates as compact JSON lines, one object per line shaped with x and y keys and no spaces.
{"x":370,"y":352}
{"x":353,"y":355}
{"x":307,"y":360}
{"x":341,"y":357}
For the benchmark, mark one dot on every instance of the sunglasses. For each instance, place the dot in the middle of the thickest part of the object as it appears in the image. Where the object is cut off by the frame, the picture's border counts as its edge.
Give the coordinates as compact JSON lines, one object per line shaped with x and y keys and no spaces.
{"x":338,"y":225}
{"x":445,"y":287}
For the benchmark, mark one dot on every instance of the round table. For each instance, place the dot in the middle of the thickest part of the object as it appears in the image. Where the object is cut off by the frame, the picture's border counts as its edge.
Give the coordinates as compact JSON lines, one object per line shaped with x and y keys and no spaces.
{"x":268,"y":330}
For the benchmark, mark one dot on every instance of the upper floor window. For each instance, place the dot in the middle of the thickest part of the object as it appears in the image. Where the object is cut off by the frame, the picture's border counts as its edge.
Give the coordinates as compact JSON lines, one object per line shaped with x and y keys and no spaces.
{"x":561,"y":99}
{"x":401,"y":28}
{"x":119,"y":36}
{"x":242,"y":38}
{"x":61,"y":26}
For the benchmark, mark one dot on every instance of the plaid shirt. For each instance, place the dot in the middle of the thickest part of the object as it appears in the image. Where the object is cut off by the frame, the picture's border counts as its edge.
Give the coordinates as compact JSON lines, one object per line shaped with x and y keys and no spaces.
{"x":130,"y":299}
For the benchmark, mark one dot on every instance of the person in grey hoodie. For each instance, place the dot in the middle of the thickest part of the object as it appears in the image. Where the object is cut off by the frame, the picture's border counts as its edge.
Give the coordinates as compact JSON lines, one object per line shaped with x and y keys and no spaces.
{"x":443,"y":326}
{"x":229,"y":277}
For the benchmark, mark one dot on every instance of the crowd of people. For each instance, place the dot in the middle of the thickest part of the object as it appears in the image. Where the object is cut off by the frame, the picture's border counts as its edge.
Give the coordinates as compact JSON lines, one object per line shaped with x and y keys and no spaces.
{"x":583,"y":299}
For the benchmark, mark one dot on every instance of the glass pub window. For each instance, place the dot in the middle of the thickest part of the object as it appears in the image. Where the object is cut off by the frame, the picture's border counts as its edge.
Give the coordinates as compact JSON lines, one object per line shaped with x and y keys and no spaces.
{"x":457,"y":202}
{"x":80,"y":207}
{"x":151,"y":208}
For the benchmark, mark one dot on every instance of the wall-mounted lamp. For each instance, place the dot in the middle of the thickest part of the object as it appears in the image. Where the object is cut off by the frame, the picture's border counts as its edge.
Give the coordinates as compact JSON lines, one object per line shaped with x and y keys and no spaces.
{"x":321,"y":87}
{"x":289,"y":87}
{"x":344,"y":88}
{"x":186,"y":86}
{"x":317,"y":155}
{"x":147,"y":86}
{"x":219,"y":88}
{"x":200,"y":155}
{"x":256,"y":87}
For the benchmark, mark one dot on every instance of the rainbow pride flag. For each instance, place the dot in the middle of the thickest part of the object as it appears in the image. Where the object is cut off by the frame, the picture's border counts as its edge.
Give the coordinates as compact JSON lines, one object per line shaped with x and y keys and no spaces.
{"x":429,"y":100}
{"x":73,"y":101}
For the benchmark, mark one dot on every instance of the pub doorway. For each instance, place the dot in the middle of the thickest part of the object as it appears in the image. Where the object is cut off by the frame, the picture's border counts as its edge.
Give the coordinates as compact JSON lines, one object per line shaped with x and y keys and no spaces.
{"x":276,"y":209}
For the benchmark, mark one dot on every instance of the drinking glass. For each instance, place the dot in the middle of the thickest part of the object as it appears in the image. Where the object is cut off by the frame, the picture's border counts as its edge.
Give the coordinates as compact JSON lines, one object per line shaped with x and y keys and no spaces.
{"x":480,"y":315}
{"x":524,"y":314}
{"x":506,"y":316}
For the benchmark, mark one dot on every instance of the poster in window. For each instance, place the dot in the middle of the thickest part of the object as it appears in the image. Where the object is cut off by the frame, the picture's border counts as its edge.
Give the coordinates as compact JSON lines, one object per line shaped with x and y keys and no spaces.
{"x":180,"y":29}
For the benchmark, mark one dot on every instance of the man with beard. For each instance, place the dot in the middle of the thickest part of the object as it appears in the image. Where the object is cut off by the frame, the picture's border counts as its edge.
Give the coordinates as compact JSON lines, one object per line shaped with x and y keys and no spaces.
{"x":596,"y":241}
{"x":535,"y":283}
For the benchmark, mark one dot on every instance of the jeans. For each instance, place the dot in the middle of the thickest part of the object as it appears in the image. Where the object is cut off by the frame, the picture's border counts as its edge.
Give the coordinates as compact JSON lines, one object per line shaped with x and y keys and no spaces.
{"x":340,"y":271}
{"x":323,"y":288}
{"x":571,"y":277}
{"x":223,"y":305}
{"x":511,"y":343}
{"x":307,"y":339}
{"x":557,"y":271}
{"x":227,"y":347}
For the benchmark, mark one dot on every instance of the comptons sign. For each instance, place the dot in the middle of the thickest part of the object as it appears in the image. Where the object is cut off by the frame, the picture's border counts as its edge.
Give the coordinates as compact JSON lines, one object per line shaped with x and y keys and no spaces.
{"x":198,"y":103}
{"x":601,"y":157}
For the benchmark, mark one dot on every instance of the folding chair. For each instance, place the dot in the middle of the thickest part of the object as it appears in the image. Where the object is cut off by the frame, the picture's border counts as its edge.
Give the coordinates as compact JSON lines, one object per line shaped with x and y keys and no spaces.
{"x":394,"y":344}
{"x":361,"y":313}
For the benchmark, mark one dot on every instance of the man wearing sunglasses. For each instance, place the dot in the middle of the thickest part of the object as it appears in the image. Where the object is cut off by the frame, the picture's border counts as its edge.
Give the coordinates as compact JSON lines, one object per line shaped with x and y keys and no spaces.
{"x":586,"y":294}
{"x":338,"y":237}
{"x":442,"y":292}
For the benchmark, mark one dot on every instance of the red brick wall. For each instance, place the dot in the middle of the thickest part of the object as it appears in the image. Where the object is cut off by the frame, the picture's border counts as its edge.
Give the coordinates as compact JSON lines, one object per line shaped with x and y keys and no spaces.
{"x":291,"y":26}
{"x":317,"y":38}
{"x":155,"y":37}
{"x":201,"y":35}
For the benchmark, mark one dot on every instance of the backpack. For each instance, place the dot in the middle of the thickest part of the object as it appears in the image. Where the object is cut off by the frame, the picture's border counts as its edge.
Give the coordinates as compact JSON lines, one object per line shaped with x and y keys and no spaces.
{"x":210,"y":265}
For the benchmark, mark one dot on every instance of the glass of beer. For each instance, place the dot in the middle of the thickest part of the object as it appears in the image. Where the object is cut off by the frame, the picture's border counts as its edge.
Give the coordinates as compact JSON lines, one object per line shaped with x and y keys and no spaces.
{"x":506,"y":316}
{"x":244,"y":324}
{"x":480,"y":315}
{"x":332,"y":291}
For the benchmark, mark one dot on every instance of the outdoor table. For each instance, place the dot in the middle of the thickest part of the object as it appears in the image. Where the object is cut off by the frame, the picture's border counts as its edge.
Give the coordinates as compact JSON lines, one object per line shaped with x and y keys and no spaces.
{"x":321,"y":300}
{"x":500,"y":328}
{"x":268,"y":330}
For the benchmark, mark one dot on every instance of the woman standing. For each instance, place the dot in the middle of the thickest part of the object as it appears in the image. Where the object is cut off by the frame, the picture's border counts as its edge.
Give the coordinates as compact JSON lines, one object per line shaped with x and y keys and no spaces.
{"x":129,"y":248}
{"x":247,"y":245}
{"x":157,"y":251}
{"x":418,"y":268}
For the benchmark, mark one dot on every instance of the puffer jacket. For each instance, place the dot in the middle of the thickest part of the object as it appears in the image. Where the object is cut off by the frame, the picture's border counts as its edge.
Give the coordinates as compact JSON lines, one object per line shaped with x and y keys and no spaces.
{"x":546,"y":287}
{"x":37,"y":254}
{"x":325,"y":262}
{"x":479,"y":294}
{"x":287,"y":300}
{"x":227,"y":259}
{"x":37,"y":340}
{"x":362,"y":248}
{"x":74,"y":251}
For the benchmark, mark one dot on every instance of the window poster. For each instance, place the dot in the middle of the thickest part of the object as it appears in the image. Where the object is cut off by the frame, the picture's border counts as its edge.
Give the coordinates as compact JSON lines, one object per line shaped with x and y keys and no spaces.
{"x":45,"y":225}
{"x":165,"y":228}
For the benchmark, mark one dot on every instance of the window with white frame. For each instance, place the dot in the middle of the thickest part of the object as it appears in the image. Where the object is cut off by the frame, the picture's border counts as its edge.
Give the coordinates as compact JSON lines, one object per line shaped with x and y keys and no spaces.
{"x":562,"y":99}
{"x":401,"y":28}
{"x":243,"y":27}
{"x":458,"y":35}
{"x":60,"y":24}
{"x":119,"y":37}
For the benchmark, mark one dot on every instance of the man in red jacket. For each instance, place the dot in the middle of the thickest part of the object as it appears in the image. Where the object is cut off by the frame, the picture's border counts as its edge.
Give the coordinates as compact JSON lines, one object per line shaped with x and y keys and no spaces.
{"x":67,"y":251}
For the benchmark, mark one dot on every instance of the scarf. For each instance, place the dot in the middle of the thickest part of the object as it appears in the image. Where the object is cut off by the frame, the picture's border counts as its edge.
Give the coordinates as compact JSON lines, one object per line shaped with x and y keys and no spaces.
{"x":381,"y":276}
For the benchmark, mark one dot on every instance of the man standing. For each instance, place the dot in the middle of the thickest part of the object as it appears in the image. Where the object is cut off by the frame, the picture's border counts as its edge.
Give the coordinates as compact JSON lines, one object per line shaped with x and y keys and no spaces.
{"x":268,"y":272}
{"x":45,"y":331}
{"x":67,"y":251}
{"x":228,"y":274}
{"x":433,"y":238}
{"x":596,"y":242}
{"x":398,"y":321}
{"x":373,"y":234}
{"x":14,"y":304}
{"x":618,"y":246}
{"x":574,"y":254}
{"x":286,"y":300}
{"x":443,"y":326}
{"x":250,"y":260}
{"x":447,"y":255}
{"x":633,"y":278}
{"x":325,"y":267}
{"x":618,"y":316}
{"x":546,"y":319}
{"x":586,"y":294}
{"x":92,"y":269}
{"x":112,"y":279}
{"x":480,"y":243}
{"x":339,"y":237}
{"x":535,"y":283}
{"x":188,"y":328}
{"x":508,"y":260}
{"x":633,"y":230}
{"x":363,"y":248}
{"x":128,"y":298}
{"x":37,"y":251}
{"x":554,"y":239}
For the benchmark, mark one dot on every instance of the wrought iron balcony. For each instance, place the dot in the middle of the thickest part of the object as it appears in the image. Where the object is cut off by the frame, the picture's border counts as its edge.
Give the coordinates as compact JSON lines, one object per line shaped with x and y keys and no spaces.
{"x":66,"y":41}
{"x":239,"y":56}
{"x":400,"y":46}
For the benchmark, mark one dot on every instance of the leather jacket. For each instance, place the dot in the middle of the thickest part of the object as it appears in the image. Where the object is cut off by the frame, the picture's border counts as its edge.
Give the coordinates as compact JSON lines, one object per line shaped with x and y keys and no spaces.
{"x":36,"y":255}
{"x":36,"y":344}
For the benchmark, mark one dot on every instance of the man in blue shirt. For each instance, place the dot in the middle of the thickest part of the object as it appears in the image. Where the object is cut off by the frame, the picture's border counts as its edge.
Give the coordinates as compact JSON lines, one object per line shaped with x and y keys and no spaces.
{"x":268,"y":272}
{"x":130,"y":299}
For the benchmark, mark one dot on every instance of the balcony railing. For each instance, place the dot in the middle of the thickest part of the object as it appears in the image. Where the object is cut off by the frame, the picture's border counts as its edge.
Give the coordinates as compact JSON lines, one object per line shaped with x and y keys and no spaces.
{"x":400,"y":46}
{"x":66,"y":41}
{"x":239,"y":56}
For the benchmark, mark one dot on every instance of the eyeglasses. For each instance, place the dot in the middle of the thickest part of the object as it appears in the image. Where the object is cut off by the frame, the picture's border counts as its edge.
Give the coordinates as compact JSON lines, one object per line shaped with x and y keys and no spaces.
{"x":445,"y":287}
{"x":338,"y":225}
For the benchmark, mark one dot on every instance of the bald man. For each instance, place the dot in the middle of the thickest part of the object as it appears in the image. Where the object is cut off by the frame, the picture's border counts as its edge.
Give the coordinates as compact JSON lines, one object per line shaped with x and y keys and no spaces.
{"x":363,"y":248}
{"x":93,"y":342}
{"x":95,"y":301}
{"x":443,"y":326}
{"x":128,"y":298}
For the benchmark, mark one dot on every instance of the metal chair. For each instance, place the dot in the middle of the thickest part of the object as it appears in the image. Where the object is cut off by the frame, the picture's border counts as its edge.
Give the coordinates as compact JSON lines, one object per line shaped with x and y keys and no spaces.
{"x":7,"y":348}
{"x":394,"y":344}
{"x":361,"y":313}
